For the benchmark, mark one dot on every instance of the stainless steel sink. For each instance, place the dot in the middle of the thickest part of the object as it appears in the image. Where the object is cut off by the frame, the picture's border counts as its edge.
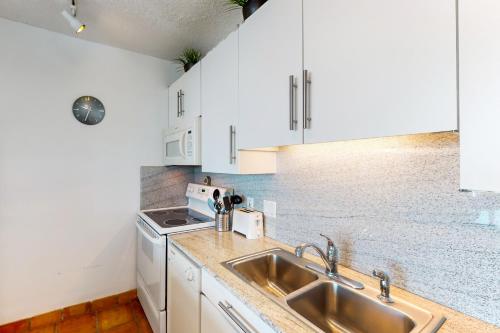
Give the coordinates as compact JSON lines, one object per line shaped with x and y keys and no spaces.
{"x":331,"y":306}
{"x":274,"y":274}
{"x":325,"y":305}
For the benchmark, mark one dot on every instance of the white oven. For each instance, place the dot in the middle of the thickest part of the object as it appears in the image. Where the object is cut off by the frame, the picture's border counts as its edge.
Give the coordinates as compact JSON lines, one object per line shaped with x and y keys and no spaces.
{"x":151,"y":274}
{"x":183,"y":146}
{"x":153,"y":226}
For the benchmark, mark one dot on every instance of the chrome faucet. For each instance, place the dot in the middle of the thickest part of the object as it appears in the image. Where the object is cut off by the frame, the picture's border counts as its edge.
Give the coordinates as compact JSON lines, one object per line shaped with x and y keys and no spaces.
{"x":385,"y":286}
{"x":330,"y":260}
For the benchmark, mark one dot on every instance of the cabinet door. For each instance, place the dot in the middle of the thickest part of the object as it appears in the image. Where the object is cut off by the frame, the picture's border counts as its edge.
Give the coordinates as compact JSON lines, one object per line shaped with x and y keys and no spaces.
{"x":379,"y":68}
{"x":185,"y":108}
{"x":270,"y":51}
{"x":220,"y":106}
{"x":212,"y":320}
{"x":183,"y":293}
{"x":479,"y":28}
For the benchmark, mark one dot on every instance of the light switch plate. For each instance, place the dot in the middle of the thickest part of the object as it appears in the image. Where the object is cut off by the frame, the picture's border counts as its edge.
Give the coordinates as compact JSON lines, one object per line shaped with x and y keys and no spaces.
{"x":270,"y":208}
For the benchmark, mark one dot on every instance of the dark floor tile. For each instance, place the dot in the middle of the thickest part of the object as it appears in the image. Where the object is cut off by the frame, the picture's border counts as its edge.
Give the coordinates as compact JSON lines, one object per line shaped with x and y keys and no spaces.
{"x":78,"y":324}
{"x":104,"y":303}
{"x":45,"y":319}
{"x":127,"y":296}
{"x":44,"y":329}
{"x":113,"y":317}
{"x":140,"y":317}
{"x":130,"y":327}
{"x":76,"y":310}
{"x":15,"y":327}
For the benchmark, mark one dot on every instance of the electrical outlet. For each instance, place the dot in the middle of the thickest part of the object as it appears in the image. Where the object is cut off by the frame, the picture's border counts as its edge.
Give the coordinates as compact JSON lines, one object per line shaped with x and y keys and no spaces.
{"x":250,"y":203}
{"x":270,"y":208}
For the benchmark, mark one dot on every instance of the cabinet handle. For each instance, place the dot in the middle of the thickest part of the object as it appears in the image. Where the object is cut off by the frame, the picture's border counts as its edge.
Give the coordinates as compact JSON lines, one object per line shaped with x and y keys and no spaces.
{"x":232,"y":144}
{"x":307,"y":103}
{"x":178,"y":103}
{"x":293,"y":88}
{"x":182,"y":103}
{"x":228,"y":309}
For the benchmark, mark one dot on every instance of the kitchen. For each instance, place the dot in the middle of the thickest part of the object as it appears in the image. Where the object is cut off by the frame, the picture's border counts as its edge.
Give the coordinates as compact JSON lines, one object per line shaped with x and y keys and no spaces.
{"x":302,"y":166}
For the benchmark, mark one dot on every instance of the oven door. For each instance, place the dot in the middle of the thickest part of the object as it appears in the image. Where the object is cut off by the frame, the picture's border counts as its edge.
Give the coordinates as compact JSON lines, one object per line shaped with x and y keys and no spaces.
{"x":151,"y":265}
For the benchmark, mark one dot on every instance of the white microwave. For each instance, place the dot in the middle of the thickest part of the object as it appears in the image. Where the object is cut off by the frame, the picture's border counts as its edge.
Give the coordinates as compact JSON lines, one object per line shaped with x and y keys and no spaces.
{"x":183,"y":146}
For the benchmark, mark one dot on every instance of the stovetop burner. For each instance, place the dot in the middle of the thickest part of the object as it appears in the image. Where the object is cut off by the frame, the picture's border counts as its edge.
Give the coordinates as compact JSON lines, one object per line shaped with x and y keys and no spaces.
{"x":175,"y":222}
{"x":168,"y":218}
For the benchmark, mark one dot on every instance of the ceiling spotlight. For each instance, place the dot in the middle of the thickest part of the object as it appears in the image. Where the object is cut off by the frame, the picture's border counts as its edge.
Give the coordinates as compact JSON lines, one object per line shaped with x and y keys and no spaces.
{"x":75,"y":24}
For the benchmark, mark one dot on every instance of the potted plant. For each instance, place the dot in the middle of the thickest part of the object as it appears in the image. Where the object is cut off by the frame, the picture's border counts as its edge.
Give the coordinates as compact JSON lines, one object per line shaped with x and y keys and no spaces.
{"x":248,"y":6}
{"x":189,"y":58}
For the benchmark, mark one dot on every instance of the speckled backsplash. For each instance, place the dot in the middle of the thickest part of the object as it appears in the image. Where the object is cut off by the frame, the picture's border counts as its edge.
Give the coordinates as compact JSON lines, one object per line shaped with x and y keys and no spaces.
{"x":164,"y":186}
{"x":391,"y":204}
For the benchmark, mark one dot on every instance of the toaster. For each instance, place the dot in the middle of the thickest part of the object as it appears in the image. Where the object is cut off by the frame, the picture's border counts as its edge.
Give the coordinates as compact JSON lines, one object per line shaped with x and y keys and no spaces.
{"x":248,"y":223}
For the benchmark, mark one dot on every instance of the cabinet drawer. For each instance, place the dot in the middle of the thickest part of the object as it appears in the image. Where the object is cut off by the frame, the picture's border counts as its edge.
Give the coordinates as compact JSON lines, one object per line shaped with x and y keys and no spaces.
{"x":214,"y":320}
{"x":233,"y":309}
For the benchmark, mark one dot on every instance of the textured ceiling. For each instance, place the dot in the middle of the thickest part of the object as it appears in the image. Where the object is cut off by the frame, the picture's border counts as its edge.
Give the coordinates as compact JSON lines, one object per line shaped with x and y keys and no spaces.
{"x":160,"y":28}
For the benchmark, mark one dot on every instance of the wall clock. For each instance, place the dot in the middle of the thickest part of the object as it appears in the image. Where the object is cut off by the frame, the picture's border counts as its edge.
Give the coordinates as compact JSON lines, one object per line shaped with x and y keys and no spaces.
{"x":88,"y":110}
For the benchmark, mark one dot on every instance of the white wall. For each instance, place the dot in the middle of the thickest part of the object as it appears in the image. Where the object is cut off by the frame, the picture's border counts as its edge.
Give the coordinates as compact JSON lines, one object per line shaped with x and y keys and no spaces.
{"x":69,"y":192}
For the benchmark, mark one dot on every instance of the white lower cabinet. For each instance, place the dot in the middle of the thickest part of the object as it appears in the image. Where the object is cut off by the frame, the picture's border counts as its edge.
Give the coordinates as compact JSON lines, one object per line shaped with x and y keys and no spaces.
{"x":197,"y":302}
{"x":183,"y":293}
{"x":223,"y":312}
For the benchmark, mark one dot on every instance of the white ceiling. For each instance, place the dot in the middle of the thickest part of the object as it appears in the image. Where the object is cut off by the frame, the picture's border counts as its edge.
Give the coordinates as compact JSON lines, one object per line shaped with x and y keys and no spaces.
{"x":160,"y":28}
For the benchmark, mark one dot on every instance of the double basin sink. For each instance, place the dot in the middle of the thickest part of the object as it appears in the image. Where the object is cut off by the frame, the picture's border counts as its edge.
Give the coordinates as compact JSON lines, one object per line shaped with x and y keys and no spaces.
{"x":326,"y":305}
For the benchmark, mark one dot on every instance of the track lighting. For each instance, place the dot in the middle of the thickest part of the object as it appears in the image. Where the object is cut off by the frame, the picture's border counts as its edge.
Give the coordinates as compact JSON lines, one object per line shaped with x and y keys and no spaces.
{"x":75,"y":24}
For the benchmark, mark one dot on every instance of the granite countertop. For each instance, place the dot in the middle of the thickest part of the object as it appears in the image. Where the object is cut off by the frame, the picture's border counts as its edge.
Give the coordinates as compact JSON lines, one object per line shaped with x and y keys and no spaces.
{"x":209,"y":248}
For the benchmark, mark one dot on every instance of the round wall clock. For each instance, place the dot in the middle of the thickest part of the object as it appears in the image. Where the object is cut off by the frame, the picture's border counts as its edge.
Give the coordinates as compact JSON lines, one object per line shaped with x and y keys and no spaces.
{"x":88,"y":110}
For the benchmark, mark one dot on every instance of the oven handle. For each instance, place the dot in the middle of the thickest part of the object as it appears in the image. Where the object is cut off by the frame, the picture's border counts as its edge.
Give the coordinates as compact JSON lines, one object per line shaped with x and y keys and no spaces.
{"x":158,"y":240}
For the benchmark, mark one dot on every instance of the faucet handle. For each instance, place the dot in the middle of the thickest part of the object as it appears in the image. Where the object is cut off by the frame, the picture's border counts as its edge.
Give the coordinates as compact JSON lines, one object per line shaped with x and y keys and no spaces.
{"x":381,"y":275}
{"x":330,"y":242}
{"x":385,"y":286}
{"x":331,"y":251}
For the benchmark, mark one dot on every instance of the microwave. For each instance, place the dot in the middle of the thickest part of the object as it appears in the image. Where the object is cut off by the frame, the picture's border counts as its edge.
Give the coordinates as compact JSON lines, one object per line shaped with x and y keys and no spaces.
{"x":183,"y":146}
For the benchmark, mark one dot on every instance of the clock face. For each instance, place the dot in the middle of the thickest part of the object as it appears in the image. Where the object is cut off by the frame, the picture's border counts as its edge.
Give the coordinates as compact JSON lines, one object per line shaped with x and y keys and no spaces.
{"x":88,"y":110}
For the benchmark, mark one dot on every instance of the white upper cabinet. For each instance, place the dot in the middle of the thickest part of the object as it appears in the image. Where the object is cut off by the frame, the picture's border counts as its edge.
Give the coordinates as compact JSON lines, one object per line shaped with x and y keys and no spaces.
{"x":220,"y":130}
{"x":270,"y":48}
{"x":479,"y":28}
{"x":377,"y":68}
{"x":184,"y":99}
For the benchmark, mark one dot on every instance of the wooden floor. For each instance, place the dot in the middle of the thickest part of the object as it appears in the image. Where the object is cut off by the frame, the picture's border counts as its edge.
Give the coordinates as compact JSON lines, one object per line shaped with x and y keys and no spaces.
{"x":115,"y":314}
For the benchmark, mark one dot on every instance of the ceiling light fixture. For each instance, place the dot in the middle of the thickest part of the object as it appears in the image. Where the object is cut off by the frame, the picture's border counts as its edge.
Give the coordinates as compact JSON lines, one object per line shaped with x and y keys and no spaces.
{"x":75,"y":24}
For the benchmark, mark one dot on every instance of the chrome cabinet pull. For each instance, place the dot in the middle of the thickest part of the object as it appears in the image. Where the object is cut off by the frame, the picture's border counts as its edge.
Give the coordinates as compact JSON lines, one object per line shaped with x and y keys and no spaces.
{"x":292,"y":96}
{"x":228,"y":309}
{"x":181,"y":94}
{"x":178,"y":104}
{"x":232,"y":145}
{"x":307,"y":103}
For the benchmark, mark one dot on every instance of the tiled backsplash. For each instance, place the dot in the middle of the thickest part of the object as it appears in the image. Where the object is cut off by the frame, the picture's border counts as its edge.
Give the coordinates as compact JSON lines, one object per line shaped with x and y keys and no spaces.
{"x":392,"y":204}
